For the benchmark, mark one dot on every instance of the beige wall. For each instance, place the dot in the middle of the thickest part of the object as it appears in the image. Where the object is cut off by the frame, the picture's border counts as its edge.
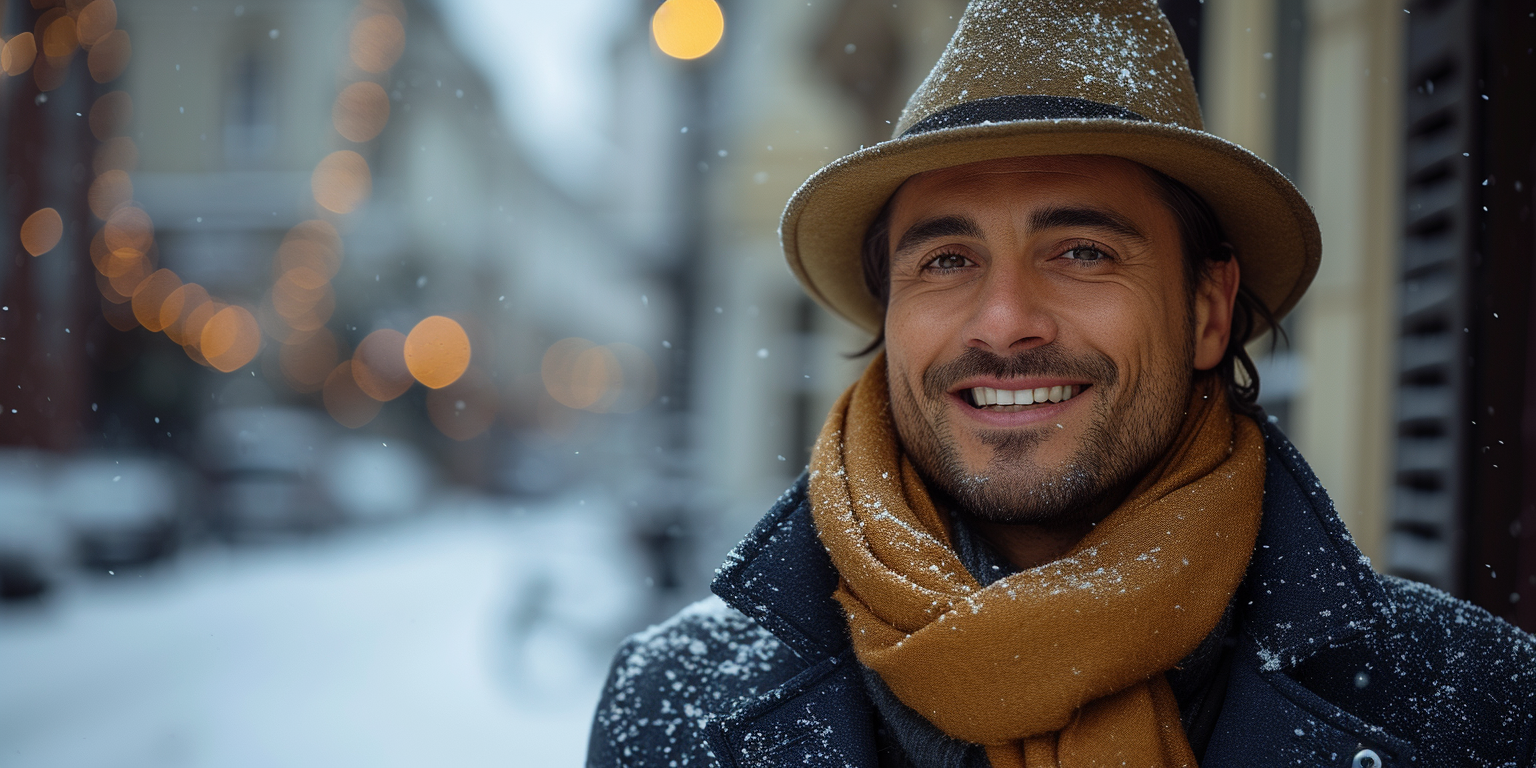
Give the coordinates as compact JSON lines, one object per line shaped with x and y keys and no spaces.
{"x":1350,"y":146}
{"x":1239,"y":72}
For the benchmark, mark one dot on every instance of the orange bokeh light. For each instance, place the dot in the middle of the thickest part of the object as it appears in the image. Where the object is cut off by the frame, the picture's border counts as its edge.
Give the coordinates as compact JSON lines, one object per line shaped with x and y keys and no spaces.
{"x":687,"y":29}
{"x":48,"y":17}
{"x":18,"y":54}
{"x":555,"y":370}
{"x":193,"y":324}
{"x":580,"y":374}
{"x":378,"y":365}
{"x":109,"y":56}
{"x":118,"y":153}
{"x":465,"y":408}
{"x":59,"y":39}
{"x":311,"y":245}
{"x":134,"y":271}
{"x":95,"y":20}
{"x":122,"y":261}
{"x":150,"y":295}
{"x":110,"y":115}
{"x":299,"y":308}
{"x":437,"y":351}
{"x":377,"y":42}
{"x":231,"y":338}
{"x":341,"y":181}
{"x":98,"y":249}
{"x":42,"y":231}
{"x":616,"y":378}
{"x":597,"y":378}
{"x":129,"y":227}
{"x":276,"y":326}
{"x":347,"y":404}
{"x":178,"y":306}
{"x":104,"y":284}
{"x":108,"y":192}
{"x":292,"y":297}
{"x":361,"y":111}
{"x":306,"y":363}
{"x":313,"y":320}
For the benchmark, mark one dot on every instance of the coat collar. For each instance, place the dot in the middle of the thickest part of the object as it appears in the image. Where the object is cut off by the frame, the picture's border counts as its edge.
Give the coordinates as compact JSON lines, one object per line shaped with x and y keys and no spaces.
{"x":782,"y":578}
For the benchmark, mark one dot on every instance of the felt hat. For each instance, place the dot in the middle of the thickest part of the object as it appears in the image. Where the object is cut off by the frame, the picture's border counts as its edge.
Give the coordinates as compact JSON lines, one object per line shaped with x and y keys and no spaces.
{"x":1060,"y":77}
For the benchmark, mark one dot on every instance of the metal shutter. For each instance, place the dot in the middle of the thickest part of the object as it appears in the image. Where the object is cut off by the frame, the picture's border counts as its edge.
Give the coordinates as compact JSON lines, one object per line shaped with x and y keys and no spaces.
{"x":1424,"y":541}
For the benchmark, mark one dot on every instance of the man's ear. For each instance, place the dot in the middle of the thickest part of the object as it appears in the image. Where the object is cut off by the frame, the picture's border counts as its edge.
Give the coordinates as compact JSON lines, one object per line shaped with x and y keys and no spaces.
{"x":1215,"y":295}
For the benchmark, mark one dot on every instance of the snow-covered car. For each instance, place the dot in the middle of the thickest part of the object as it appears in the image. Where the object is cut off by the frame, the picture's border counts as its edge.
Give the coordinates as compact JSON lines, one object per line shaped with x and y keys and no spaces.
{"x":373,"y":480}
{"x":260,"y":463}
{"x":120,"y":509}
{"x":34,"y":543}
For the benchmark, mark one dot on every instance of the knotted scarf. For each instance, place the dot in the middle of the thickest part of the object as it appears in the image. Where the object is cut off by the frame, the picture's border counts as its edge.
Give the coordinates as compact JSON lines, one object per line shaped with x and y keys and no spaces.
{"x":1058,"y":665}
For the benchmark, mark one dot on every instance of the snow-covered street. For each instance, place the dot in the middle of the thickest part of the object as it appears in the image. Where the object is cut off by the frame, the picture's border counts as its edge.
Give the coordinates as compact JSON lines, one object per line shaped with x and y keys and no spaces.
{"x":464,"y":639}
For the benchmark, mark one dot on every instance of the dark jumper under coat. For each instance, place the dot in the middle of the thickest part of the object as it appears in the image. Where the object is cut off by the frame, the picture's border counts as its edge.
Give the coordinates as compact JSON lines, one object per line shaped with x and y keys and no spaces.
{"x":1331,"y":659}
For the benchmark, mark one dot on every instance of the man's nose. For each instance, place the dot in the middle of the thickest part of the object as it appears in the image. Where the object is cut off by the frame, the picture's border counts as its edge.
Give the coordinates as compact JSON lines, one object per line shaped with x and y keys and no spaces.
{"x":1012,"y":311}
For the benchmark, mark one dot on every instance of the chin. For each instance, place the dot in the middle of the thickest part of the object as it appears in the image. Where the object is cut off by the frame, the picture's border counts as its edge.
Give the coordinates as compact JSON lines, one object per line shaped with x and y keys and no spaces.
{"x":1039,"y":474}
{"x":1018,"y":491}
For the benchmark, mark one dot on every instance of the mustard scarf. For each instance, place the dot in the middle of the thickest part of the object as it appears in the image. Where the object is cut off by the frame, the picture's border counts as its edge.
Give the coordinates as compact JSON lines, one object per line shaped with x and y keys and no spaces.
{"x":1059,"y":665}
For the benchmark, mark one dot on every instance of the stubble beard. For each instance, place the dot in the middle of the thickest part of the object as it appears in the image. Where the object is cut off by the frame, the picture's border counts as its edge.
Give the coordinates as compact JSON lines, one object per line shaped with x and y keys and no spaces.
{"x":1128,"y":432}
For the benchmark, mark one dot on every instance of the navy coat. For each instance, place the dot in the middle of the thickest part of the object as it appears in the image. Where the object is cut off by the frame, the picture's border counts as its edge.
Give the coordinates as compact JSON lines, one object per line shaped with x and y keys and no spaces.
{"x":1335,"y":664}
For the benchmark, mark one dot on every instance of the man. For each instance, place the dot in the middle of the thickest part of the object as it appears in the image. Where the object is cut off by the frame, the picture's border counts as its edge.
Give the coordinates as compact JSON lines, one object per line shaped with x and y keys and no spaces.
{"x":1045,"y":526}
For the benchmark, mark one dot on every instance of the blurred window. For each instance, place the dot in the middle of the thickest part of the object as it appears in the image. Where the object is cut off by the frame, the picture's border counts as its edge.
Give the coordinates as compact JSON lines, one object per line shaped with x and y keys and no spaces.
{"x":250,"y":111}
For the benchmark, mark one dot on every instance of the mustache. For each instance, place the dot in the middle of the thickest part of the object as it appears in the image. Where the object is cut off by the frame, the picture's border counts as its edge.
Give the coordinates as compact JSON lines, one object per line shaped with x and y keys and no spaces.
{"x":1049,"y":360}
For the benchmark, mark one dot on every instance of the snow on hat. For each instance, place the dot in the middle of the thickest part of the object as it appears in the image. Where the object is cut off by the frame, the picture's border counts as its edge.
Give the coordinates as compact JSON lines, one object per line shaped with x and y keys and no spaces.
{"x":1066,"y":77}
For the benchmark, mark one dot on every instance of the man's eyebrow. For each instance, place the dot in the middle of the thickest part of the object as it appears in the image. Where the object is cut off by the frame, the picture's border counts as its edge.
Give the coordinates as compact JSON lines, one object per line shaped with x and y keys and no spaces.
{"x":1085,"y":218}
{"x":942,"y":226}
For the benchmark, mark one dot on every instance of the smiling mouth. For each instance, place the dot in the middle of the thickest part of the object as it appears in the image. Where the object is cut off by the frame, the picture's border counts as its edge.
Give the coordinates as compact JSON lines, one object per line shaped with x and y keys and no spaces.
{"x":1010,"y":400}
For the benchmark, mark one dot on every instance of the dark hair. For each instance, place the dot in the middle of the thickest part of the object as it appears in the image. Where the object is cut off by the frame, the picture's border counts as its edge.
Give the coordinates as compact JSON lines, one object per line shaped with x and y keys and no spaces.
{"x":1204,"y":244}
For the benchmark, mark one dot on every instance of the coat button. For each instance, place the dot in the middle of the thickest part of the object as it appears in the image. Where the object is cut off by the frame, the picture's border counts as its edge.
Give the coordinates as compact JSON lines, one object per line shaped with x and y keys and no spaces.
{"x":1366,"y":758}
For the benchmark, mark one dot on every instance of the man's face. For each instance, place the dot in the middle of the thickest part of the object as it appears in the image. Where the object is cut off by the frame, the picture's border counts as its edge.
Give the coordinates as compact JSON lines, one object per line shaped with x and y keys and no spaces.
{"x":1056,"y":283}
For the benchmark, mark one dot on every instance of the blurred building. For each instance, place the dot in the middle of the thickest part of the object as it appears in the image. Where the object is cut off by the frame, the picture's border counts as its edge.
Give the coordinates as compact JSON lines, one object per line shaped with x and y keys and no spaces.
{"x":643,"y":338}
{"x":356,"y":140}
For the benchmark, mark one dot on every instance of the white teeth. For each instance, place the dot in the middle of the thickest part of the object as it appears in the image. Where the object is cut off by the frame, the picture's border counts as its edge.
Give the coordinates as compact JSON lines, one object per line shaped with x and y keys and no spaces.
{"x":984,"y":396}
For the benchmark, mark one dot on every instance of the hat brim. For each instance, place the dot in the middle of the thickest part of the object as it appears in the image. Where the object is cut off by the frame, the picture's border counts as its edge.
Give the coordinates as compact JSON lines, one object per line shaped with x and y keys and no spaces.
{"x":1269,"y":224}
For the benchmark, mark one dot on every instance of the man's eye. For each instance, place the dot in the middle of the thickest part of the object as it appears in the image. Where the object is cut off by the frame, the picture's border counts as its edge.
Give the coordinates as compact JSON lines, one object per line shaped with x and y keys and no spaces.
{"x":1086,"y":253}
{"x":947,"y":261}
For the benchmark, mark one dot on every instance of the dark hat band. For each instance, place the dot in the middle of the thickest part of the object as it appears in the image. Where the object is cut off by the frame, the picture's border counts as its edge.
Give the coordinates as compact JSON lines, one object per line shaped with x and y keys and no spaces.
{"x":1003,"y":109}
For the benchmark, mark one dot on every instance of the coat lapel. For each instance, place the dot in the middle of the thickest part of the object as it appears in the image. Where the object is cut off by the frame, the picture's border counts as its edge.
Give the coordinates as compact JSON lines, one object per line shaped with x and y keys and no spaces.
{"x":1308,"y":588}
{"x":782,"y":578}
